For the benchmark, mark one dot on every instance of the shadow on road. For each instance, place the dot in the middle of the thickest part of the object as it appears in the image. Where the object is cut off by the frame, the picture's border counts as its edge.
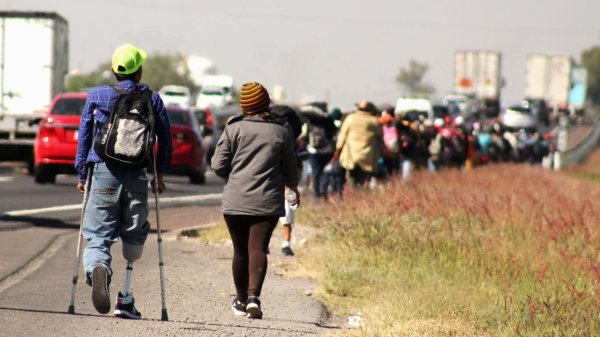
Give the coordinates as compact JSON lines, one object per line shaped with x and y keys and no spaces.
{"x":48,"y":312}
{"x":8,"y":222}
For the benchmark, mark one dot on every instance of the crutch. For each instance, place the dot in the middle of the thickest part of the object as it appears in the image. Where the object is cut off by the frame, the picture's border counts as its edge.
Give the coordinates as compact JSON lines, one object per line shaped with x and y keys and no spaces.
{"x":86,"y":195}
{"x":163,"y":295}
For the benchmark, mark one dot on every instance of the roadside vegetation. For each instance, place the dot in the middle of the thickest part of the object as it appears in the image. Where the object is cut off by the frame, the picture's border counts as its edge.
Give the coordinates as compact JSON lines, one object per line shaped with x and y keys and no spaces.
{"x":503,"y":250}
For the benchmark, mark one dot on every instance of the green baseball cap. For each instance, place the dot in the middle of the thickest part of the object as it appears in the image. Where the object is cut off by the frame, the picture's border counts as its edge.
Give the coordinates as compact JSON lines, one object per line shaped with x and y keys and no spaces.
{"x":127,"y":59}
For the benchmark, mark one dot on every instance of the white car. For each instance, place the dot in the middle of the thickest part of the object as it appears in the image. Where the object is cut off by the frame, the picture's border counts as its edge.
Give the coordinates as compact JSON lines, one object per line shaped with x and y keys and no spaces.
{"x":176,"y":96}
{"x":519,"y":117}
{"x":421,"y":106}
{"x":212,"y":97}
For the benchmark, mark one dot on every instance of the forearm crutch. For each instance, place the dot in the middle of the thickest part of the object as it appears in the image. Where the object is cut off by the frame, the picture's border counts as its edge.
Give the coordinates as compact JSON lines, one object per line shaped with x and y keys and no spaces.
{"x":75,"y":279}
{"x":163,"y":295}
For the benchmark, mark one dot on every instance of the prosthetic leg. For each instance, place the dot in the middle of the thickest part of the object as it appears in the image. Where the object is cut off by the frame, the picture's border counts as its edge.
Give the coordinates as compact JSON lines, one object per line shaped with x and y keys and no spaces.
{"x":131,"y":253}
{"x":125,"y":302}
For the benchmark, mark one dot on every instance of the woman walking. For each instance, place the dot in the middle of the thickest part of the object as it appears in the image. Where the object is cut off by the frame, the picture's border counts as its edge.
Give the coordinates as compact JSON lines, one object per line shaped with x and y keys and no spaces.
{"x":255,"y":155}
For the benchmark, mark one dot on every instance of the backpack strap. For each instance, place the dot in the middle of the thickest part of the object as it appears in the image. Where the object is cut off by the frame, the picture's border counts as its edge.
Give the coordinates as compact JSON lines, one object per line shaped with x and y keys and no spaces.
{"x":147,"y":94}
{"x":120,"y":89}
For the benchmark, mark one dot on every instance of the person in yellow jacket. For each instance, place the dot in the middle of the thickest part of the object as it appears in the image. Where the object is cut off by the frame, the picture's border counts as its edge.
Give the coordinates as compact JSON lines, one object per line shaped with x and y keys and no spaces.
{"x":359,"y":143}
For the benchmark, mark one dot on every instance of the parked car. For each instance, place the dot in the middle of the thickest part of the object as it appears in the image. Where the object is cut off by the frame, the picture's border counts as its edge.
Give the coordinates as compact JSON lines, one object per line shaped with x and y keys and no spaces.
{"x":188,"y":151}
{"x":55,"y":145}
{"x":176,"y":95}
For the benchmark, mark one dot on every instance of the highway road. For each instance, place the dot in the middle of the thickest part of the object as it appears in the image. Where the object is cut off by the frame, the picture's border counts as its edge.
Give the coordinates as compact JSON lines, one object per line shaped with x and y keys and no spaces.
{"x":18,"y":191}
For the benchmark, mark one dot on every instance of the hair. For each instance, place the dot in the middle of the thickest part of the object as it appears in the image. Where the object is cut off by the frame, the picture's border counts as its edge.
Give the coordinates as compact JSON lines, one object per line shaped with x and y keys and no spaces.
{"x":132,"y":76}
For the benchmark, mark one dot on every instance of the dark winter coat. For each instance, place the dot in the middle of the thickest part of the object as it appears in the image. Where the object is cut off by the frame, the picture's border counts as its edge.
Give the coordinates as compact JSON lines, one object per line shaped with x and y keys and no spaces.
{"x":256,"y":157}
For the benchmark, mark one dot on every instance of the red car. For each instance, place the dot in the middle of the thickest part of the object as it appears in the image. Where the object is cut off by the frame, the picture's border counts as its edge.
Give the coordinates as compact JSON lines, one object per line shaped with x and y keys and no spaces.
{"x":55,"y":145}
{"x":188,"y":152}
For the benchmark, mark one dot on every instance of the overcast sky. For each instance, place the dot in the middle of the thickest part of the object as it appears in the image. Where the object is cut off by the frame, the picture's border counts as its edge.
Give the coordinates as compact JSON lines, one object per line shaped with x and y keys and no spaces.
{"x":342,"y":50}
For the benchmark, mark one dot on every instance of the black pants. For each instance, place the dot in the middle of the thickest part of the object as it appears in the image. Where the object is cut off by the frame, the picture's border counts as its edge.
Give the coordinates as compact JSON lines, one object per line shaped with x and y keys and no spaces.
{"x":250,"y":236}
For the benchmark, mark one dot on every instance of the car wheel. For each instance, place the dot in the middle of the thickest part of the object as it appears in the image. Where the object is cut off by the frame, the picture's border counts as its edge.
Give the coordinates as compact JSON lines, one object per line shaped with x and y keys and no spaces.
{"x":44,"y":174}
{"x":197,"y":178}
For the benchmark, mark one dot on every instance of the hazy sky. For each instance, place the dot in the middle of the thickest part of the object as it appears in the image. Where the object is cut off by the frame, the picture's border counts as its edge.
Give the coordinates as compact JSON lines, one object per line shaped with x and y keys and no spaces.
{"x":343,"y":50}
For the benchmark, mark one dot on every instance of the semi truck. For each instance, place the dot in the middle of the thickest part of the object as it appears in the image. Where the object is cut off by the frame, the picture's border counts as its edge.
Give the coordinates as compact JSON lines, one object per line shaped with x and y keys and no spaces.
{"x":34,"y":49}
{"x":548,"y":77}
{"x":477,"y":75}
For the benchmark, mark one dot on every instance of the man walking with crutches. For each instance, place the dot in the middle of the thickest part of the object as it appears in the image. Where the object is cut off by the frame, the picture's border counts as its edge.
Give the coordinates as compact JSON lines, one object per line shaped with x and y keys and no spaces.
{"x":128,"y":117}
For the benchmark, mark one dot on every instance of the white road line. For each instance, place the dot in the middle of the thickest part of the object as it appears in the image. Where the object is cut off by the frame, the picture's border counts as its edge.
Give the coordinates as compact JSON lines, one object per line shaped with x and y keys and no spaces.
{"x":172,"y":201}
{"x":6,"y":179}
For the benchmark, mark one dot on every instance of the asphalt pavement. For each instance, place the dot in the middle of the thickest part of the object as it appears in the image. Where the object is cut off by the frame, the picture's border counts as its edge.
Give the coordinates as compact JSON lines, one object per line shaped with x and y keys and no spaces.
{"x":38,"y":252}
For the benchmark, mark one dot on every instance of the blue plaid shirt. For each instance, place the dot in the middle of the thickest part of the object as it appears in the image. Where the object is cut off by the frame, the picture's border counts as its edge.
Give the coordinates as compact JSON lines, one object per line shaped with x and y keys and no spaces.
{"x":99,"y":104}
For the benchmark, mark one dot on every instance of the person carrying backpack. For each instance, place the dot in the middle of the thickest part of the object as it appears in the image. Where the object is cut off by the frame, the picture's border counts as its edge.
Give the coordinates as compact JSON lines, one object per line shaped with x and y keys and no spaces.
{"x":117,"y":132}
{"x":321,"y":130}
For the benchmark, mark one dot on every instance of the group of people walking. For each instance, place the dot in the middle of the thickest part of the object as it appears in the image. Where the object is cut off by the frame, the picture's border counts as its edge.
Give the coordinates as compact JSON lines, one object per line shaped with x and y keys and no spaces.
{"x":372,"y":144}
{"x":262,"y":155}
{"x":256,"y":155}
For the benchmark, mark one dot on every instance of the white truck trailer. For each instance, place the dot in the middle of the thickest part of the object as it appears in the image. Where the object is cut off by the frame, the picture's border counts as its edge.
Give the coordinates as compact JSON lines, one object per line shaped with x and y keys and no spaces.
{"x":477,"y":73}
{"x":548,"y":77}
{"x":34,"y":50}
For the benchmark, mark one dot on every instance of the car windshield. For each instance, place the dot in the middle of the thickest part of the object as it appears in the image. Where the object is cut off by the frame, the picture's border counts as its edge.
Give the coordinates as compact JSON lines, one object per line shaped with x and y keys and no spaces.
{"x":69,"y":106}
{"x":520,"y":108}
{"x":212,"y":92}
{"x":178,"y":117}
{"x":175,"y":93}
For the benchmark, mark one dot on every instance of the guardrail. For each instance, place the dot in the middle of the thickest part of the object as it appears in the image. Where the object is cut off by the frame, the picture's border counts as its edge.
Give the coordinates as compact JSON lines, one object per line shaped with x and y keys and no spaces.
{"x":582,"y":150}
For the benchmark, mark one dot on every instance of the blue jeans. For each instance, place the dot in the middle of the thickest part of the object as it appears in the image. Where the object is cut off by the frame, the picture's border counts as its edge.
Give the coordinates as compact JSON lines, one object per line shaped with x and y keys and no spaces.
{"x":317,"y":164}
{"x":117,"y":208}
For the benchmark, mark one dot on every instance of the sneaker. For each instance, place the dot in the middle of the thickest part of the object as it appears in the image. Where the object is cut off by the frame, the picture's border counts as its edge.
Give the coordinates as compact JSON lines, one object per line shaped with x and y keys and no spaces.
{"x":125,"y":307}
{"x":253,"y":307}
{"x":238,"y":307}
{"x":100,"y":295}
{"x":287,"y":251}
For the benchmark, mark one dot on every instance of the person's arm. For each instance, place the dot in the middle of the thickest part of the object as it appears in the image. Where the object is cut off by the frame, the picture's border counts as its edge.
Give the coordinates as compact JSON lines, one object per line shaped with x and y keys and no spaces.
{"x":342,"y":136}
{"x":221,"y":160}
{"x":291,"y":173}
{"x":165,"y":141}
{"x":290,"y":166}
{"x":84,"y":141}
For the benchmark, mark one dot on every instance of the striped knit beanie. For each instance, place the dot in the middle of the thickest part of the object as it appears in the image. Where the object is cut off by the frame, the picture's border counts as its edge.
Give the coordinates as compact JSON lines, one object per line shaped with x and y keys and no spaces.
{"x":254,"y":98}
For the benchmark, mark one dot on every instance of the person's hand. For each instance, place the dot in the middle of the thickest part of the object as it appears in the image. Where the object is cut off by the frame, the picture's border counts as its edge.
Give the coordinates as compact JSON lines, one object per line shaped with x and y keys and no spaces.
{"x":81,"y":187}
{"x":336,"y":155}
{"x":161,"y":184}
{"x":297,"y":203}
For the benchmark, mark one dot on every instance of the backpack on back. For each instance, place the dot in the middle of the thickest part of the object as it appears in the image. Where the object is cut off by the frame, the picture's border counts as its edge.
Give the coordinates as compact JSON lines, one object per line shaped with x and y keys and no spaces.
{"x":127,"y":136}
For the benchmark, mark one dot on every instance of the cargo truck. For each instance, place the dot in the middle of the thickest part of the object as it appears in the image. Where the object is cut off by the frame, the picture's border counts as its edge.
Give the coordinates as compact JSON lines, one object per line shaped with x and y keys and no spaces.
{"x":34,"y":49}
{"x":548,"y":77}
{"x":477,"y":76}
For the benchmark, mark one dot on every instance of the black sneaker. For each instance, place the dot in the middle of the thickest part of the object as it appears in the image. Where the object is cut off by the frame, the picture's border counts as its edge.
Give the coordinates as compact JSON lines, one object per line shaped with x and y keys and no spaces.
{"x":287,"y":251}
{"x":238,"y":307}
{"x":253,"y":307}
{"x":100,"y":295}
{"x":125,"y":307}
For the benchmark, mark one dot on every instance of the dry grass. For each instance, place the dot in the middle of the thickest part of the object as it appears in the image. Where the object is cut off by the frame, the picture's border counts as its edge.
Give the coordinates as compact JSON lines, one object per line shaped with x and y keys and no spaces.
{"x":216,"y":233}
{"x":502,"y":250}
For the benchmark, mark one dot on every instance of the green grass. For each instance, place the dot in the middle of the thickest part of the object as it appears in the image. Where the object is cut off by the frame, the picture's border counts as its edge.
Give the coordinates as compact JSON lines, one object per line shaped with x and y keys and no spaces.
{"x":499,"y":251}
